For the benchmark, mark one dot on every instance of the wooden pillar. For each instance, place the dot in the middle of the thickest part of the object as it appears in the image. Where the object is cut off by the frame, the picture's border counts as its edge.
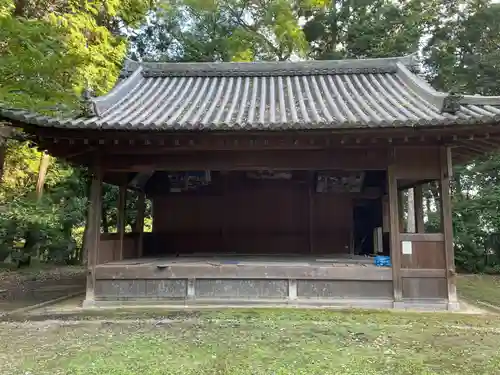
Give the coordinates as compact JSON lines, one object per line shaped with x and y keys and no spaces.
{"x":419,"y":209}
{"x":447,"y":225}
{"x":93,"y":232}
{"x":385,"y":213}
{"x":392,"y":190}
{"x":139,"y":222}
{"x":120,"y":222}
{"x":310,"y":214}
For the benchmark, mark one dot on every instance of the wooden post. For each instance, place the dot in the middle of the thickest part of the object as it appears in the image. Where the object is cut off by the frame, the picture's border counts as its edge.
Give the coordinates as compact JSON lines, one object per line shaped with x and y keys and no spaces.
{"x":419,"y":209}
{"x":392,"y":190}
{"x":120,"y":222}
{"x":310,"y":217}
{"x":139,"y":222}
{"x":447,"y":225}
{"x":93,"y":232}
{"x":385,"y":213}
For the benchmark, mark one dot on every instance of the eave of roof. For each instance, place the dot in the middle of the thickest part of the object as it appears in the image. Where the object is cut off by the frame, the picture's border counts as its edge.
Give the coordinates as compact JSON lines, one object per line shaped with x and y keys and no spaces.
{"x":367,"y":93}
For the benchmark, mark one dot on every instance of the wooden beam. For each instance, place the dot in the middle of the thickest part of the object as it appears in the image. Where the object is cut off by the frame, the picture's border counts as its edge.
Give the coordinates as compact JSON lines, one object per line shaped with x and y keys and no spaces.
{"x":492,"y":143}
{"x":199,"y":270}
{"x":120,"y":220}
{"x":419,"y":209}
{"x":346,"y":159}
{"x":93,"y":231}
{"x":474,"y":147}
{"x":447,"y":225}
{"x":392,"y":189}
{"x":430,"y":132}
{"x":139,"y":222}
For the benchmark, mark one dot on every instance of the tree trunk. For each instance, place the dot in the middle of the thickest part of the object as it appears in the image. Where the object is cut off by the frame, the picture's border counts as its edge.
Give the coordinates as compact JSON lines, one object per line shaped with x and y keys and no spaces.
{"x":3,"y":151}
{"x":20,"y":5}
{"x":42,"y":174}
{"x":5,"y":133}
{"x":32,"y":239}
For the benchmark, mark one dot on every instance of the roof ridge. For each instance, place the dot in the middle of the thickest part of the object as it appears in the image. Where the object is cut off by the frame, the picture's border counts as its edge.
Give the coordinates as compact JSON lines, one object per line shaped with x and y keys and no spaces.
{"x":264,"y":68}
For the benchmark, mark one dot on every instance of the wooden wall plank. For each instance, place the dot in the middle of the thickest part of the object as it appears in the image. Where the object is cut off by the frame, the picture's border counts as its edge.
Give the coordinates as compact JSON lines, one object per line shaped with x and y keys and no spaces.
{"x":342,"y":159}
{"x":259,"y":216}
{"x":425,"y":255}
{"x":424,"y":288}
{"x":417,"y":163}
{"x":333,"y":223}
{"x":422,"y":237}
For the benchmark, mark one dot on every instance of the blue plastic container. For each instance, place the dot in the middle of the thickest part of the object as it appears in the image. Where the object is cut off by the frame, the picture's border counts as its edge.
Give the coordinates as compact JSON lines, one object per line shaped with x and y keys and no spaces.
{"x":382,"y":261}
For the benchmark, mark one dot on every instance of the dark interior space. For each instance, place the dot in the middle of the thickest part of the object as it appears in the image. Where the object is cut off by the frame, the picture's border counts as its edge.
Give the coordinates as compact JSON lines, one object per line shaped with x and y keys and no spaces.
{"x":264,"y":212}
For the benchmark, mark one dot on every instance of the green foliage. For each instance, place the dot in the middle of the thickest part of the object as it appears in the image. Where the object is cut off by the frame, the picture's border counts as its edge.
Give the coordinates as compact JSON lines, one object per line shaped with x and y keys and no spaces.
{"x":49,"y":52}
{"x":222,"y":30}
{"x":61,"y":208}
{"x":463,"y":54}
{"x":366,"y":28}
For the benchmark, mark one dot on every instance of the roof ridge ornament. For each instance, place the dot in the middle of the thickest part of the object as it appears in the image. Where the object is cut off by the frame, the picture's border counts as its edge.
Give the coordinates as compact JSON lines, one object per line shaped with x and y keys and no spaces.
{"x":129,"y":66}
{"x":452,"y":103}
{"x":87,"y":104}
{"x":412,"y":61}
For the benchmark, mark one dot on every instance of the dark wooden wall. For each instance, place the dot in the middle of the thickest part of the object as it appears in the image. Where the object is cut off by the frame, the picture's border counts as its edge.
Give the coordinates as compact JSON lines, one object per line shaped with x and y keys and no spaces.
{"x":253,"y":216}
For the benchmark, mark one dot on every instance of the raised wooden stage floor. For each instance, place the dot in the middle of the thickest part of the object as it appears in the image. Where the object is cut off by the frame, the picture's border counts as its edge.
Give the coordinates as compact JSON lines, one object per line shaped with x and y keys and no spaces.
{"x":239,"y":279}
{"x":252,"y":280}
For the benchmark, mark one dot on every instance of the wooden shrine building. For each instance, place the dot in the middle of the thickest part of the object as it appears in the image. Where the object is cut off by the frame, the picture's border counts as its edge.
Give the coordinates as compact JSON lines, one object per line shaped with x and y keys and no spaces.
{"x":271,"y":182}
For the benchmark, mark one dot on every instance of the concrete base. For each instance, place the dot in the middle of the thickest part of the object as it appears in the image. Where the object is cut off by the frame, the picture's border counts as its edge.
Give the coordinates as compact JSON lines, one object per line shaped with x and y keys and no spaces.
{"x":232,"y":303}
{"x":202,"y":303}
{"x":454,"y":306}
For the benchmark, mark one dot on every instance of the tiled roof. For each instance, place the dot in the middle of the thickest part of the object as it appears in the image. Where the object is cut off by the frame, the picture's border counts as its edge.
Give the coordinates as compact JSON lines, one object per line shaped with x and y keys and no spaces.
{"x":274,"y":96}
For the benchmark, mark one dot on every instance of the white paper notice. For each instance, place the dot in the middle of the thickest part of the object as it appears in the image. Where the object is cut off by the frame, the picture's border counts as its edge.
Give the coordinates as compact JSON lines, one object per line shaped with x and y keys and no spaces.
{"x":406,"y":246}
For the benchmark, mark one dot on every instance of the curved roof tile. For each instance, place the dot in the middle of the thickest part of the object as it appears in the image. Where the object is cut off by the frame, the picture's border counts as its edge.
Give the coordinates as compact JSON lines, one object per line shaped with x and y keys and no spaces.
{"x":274,"y":96}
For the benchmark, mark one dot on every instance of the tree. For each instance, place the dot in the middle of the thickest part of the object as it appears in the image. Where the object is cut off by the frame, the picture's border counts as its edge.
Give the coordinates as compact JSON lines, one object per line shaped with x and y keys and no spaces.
{"x":244,"y":30}
{"x":367,"y":28}
{"x":49,"y":52}
{"x":223,"y":30}
{"x":462,"y":55}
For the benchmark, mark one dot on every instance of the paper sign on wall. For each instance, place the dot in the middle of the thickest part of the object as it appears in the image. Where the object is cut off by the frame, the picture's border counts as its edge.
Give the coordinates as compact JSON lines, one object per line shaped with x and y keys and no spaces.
{"x":407,"y":247}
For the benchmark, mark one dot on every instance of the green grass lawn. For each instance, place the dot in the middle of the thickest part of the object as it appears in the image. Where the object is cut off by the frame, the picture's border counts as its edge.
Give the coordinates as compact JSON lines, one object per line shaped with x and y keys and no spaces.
{"x":480,"y":288}
{"x":256,"y":342}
